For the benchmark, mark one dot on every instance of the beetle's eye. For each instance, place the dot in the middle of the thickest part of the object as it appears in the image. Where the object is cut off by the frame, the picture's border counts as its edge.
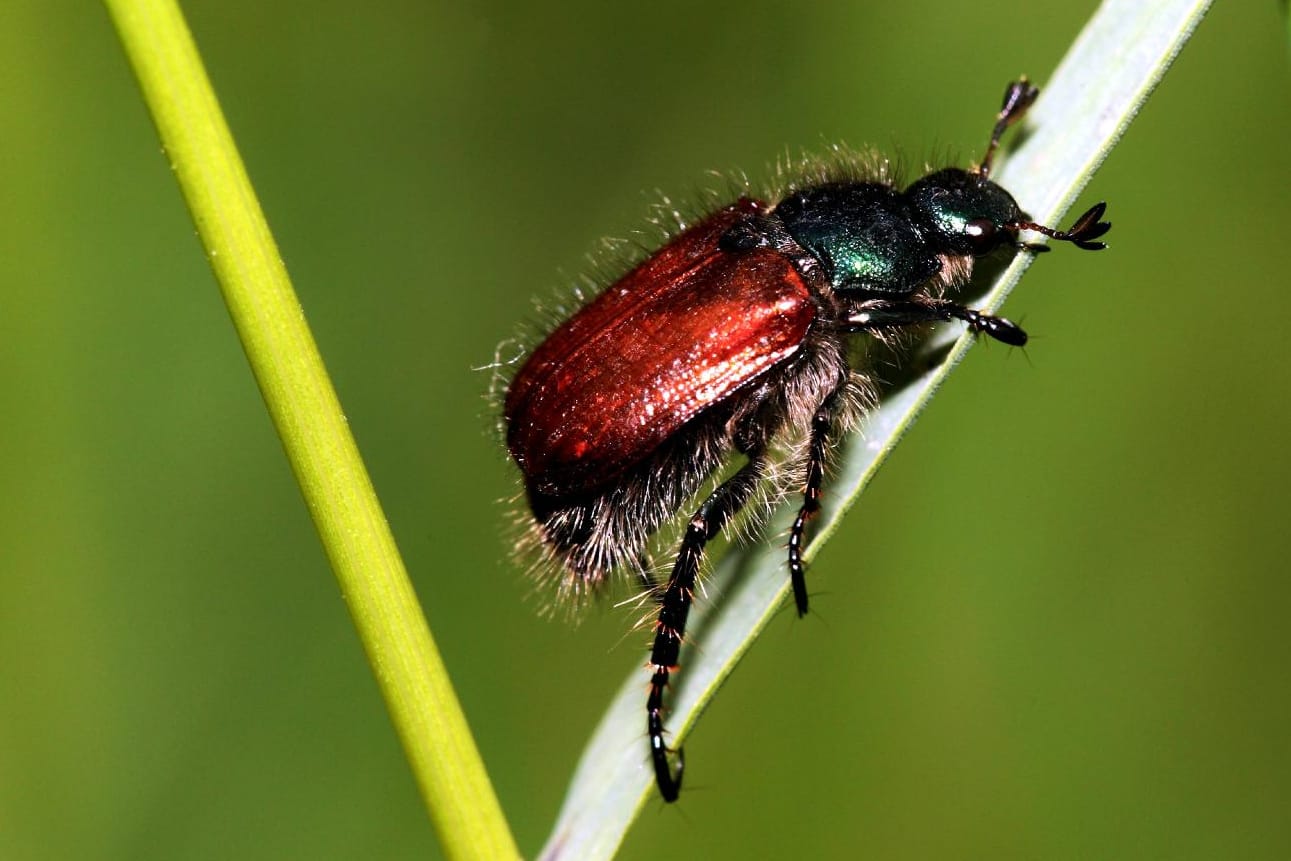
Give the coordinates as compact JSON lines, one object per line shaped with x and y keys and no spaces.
{"x":981,"y":234}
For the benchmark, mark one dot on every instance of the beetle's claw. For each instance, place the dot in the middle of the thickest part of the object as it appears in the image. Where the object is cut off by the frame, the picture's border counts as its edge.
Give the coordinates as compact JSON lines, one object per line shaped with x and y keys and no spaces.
{"x":669,"y":785}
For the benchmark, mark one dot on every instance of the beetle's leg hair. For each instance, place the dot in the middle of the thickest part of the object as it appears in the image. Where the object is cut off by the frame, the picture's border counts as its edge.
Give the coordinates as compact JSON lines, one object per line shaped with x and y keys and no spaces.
{"x":644,"y":575}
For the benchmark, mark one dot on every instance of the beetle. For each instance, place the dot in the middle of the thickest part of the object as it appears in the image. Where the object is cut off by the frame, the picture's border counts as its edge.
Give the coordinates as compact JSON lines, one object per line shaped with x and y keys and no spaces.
{"x":732,"y":339}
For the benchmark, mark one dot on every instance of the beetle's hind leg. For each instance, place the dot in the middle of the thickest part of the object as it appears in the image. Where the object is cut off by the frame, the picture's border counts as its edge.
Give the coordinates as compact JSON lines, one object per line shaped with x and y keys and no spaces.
{"x":713,"y":515}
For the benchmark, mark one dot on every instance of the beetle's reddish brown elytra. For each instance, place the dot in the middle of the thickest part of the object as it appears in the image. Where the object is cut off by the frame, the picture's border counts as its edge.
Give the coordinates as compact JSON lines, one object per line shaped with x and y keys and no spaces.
{"x":733,"y":339}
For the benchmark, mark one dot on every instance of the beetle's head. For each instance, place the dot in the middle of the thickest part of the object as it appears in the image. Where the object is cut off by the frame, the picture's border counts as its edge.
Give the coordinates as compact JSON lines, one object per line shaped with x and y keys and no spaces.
{"x":964,"y":213}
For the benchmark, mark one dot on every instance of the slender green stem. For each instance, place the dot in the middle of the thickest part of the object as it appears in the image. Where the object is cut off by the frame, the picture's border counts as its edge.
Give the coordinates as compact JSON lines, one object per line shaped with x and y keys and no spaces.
{"x":307,"y":414}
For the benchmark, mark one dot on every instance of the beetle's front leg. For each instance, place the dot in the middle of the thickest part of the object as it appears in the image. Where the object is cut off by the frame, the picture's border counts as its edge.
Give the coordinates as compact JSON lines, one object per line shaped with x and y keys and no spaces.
{"x":899,"y":314}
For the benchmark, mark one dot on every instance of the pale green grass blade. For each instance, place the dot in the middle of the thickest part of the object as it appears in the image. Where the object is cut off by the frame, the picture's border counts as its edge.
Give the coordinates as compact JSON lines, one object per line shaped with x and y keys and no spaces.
{"x":1084,"y":108}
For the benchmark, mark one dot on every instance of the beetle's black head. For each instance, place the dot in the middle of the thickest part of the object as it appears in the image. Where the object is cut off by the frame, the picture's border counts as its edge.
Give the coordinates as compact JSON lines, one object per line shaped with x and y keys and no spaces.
{"x":962,"y":212}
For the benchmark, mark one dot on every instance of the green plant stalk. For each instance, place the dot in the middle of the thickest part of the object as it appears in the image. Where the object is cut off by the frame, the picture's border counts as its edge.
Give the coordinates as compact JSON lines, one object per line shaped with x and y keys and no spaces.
{"x":289,"y":370}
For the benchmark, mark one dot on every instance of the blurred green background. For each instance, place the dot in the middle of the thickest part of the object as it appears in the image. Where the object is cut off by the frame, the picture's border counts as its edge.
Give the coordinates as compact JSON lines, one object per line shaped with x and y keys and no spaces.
{"x":1054,"y":627}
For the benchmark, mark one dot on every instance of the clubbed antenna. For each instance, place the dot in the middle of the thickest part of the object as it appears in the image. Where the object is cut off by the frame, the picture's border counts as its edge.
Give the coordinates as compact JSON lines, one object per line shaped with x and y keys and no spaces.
{"x":1081,"y":234}
{"x":1018,"y":97}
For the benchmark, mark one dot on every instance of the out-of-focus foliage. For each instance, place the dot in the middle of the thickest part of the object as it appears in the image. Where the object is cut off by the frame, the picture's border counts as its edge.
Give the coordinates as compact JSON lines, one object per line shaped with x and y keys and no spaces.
{"x":1089,"y":662}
